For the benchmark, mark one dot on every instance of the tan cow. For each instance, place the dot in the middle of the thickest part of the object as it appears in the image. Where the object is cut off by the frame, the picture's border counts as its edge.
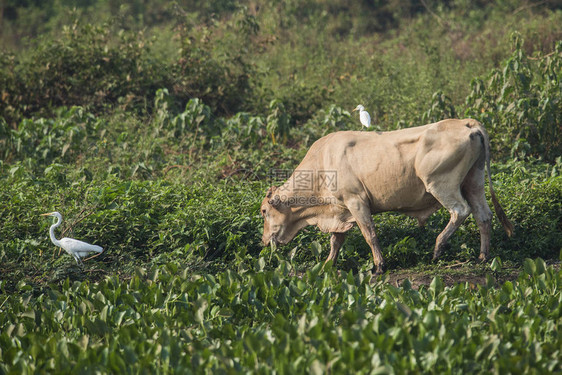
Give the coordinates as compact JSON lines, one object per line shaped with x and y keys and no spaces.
{"x":347,"y":176}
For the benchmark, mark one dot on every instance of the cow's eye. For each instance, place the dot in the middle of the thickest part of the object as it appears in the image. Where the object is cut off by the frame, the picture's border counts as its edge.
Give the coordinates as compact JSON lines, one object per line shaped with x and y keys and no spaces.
{"x":263,"y":212}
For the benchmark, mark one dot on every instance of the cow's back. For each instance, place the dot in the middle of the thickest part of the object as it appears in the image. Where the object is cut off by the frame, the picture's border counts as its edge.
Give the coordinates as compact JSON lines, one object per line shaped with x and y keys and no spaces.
{"x":391,"y":169}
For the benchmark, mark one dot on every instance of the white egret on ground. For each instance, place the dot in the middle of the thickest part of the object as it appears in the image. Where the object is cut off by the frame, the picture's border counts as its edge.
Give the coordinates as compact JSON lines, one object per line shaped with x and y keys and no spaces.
{"x":78,"y":249}
{"x":364,"y":116}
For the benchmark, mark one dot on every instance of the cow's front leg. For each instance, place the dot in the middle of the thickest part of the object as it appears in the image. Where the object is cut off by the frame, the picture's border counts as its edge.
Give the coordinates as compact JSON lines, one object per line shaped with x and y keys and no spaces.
{"x":336,"y":242}
{"x":362,"y":214}
{"x":378,"y":267}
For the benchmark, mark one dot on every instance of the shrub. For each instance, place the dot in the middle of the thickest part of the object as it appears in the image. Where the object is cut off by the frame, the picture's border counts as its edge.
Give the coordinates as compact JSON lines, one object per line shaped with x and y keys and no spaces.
{"x":65,"y":137}
{"x":521,"y":105}
{"x":212,"y":65}
{"x":86,"y":67}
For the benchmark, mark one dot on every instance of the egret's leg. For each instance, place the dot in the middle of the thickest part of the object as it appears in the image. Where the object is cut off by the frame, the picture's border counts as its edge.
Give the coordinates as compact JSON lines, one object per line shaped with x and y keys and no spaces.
{"x":78,"y":260}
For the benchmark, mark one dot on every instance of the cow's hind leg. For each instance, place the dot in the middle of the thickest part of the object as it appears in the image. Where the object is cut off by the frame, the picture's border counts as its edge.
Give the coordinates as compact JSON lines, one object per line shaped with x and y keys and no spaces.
{"x":362,"y":215}
{"x":336,"y":242}
{"x":474,"y":192}
{"x":459,"y":210}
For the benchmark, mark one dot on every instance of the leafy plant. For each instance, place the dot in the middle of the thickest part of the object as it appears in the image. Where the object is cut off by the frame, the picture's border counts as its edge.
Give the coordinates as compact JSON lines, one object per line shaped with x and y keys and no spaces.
{"x":68,"y":135}
{"x":170,"y":320}
{"x":278,"y":121}
{"x":441,"y":109}
{"x":521,"y":104}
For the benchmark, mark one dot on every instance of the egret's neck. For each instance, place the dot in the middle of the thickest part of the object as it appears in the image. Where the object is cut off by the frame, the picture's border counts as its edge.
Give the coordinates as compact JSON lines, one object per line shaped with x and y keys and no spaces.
{"x":52,"y":233}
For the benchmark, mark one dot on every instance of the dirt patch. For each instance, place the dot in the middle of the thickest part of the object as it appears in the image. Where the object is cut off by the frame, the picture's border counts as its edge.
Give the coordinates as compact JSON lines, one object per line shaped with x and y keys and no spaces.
{"x":462,"y":273}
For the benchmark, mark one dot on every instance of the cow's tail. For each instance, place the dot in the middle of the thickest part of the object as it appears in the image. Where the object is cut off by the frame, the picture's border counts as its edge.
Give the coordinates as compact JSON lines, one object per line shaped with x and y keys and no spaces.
{"x":507,"y":226}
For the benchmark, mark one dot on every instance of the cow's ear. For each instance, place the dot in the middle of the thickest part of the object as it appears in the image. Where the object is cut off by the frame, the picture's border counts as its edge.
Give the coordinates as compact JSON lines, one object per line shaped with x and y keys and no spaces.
{"x":270,"y":191}
{"x":275,"y":201}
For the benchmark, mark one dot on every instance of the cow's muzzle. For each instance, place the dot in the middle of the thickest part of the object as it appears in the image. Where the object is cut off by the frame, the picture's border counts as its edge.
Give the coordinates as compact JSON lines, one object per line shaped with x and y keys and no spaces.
{"x":273,"y":241}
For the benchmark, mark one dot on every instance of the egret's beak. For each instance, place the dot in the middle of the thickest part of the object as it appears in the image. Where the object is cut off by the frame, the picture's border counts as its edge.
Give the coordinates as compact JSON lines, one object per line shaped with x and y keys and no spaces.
{"x":354,"y":110}
{"x":47,"y":214}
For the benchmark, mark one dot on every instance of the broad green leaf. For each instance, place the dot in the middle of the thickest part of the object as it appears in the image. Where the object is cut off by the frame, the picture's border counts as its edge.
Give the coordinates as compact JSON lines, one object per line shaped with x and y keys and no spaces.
{"x":496,"y":264}
{"x":530,"y":267}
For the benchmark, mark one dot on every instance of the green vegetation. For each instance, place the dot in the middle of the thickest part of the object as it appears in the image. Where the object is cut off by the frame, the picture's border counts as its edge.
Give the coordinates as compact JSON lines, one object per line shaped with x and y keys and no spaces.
{"x":156,"y":127}
{"x":169,"y":320}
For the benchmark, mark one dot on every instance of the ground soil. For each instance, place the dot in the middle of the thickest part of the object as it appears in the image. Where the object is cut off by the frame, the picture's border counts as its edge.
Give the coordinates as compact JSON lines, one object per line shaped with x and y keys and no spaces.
{"x":463,"y":272}
{"x":450,"y":276}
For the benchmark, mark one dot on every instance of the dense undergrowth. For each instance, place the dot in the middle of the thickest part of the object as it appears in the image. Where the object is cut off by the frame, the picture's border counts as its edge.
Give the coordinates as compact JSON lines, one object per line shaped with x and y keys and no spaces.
{"x":206,"y":225}
{"x":156,"y":128}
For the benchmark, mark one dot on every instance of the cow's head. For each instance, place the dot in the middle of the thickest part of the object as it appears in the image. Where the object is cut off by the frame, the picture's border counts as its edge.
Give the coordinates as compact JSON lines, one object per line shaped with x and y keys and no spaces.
{"x":280,"y":223}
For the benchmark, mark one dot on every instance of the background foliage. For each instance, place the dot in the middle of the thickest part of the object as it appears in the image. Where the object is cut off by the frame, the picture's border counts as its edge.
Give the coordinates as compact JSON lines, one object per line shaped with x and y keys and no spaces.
{"x":155,"y":128}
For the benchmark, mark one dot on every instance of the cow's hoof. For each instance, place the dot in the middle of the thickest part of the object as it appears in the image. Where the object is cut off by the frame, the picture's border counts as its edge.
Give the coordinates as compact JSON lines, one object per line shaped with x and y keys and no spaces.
{"x":483,"y":258}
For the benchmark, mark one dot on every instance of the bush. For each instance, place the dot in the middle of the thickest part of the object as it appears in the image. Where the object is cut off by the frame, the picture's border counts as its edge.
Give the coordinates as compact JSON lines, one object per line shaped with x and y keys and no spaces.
{"x":63,"y":138}
{"x":212,"y":64}
{"x":86,"y":67}
{"x":521,"y":105}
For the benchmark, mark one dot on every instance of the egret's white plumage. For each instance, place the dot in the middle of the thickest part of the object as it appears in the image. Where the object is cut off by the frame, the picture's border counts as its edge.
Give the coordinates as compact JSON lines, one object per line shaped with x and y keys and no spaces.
{"x":364,"y":116}
{"x":78,"y":249}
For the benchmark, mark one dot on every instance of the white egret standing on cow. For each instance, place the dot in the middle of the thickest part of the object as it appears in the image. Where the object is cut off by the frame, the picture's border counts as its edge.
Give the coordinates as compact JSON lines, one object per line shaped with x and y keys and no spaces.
{"x":78,"y":249}
{"x":364,"y":116}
